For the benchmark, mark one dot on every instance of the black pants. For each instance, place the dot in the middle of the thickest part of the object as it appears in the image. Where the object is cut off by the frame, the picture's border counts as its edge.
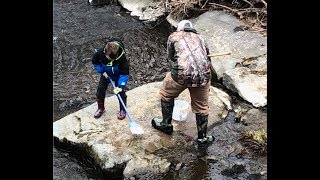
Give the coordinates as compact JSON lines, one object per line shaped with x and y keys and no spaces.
{"x":103,"y":85}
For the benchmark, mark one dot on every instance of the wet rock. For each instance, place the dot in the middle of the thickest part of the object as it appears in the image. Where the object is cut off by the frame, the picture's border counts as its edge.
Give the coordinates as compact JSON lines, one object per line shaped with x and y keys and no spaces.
{"x":111,"y":141}
{"x":146,"y":10}
{"x":178,"y":166}
{"x":234,"y":171}
{"x":255,"y":119}
{"x":254,"y":177}
{"x":212,"y":158}
{"x":251,"y":87}
{"x":98,"y":2}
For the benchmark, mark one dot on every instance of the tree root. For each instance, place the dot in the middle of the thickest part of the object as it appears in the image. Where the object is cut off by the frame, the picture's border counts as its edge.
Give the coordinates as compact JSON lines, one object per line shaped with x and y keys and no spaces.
{"x":253,"y":12}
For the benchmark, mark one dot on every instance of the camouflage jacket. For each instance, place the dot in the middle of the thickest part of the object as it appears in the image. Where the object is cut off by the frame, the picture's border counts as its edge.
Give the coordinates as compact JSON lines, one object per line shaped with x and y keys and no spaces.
{"x":187,"y":55}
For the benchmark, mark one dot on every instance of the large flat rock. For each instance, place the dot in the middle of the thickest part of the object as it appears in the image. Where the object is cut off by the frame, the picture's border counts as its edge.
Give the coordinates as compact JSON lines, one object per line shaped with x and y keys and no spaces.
{"x":110,"y":141}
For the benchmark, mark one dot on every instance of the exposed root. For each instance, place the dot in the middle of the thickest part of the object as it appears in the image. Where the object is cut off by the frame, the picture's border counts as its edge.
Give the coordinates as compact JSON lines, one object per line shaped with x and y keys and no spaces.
{"x":254,"y":12}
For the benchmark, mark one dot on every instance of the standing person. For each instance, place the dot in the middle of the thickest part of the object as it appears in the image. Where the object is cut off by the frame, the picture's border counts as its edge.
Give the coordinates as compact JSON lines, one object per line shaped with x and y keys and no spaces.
{"x":112,"y":60}
{"x":190,"y":68}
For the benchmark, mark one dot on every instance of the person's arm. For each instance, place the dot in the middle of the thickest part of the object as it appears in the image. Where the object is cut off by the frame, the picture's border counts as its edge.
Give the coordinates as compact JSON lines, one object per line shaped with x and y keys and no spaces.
{"x":96,"y":62}
{"x":170,"y":49}
{"x":124,"y":72}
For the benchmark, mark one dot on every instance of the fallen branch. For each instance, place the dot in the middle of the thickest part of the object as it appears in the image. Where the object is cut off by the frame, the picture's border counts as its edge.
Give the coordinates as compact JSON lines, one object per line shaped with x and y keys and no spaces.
{"x":226,"y":7}
{"x":254,"y":12}
{"x":91,"y":131}
{"x":219,"y":54}
{"x":264,"y":2}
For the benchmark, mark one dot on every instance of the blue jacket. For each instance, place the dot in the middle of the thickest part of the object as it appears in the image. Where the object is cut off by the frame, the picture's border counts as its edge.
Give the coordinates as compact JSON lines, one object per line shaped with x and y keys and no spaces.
{"x":117,"y":70}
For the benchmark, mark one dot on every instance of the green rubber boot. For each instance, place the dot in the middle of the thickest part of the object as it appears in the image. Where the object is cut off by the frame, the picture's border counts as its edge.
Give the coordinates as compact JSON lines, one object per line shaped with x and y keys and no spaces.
{"x":164,"y":125}
{"x":202,"y":123}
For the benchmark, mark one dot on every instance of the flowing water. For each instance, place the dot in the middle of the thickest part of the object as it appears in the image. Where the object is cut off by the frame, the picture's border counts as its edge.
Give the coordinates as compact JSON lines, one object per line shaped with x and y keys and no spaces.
{"x":78,"y":28}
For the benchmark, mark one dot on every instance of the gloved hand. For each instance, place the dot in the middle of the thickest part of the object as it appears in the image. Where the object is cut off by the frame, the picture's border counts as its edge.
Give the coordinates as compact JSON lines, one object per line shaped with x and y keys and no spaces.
{"x":122,"y":82}
{"x":105,"y":75}
{"x":117,"y":90}
{"x":98,"y":68}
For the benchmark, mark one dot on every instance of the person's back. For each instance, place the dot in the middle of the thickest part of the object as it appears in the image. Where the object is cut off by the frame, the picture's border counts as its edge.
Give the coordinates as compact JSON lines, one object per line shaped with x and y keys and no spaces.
{"x":188,"y":54}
